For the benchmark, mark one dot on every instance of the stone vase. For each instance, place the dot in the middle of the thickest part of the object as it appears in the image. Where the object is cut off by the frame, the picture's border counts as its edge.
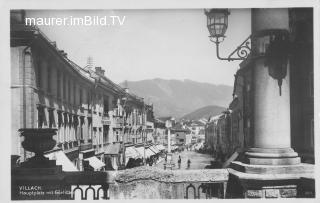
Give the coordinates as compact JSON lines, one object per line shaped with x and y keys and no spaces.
{"x":38,"y":141}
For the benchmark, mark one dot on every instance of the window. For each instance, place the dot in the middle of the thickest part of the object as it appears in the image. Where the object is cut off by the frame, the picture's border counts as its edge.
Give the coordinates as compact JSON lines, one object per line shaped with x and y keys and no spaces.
{"x":51,"y":118}
{"x":95,"y":135}
{"x":49,"y":79}
{"x":80,"y":95}
{"x":81,"y":127}
{"x":88,"y":99}
{"x":58,"y":84}
{"x":39,"y":72}
{"x":89,"y":128}
{"x":64,"y":87}
{"x":69,"y":91}
{"x":106,"y":106}
{"x":76,"y":124}
{"x":106,"y":133}
{"x":117,"y":135}
{"x":41,"y":117}
{"x":74,"y":94}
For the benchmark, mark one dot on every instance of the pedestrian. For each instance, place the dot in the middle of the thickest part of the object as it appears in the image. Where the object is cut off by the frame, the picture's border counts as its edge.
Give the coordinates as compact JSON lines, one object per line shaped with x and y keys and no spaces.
{"x":189,"y":162}
{"x":179,"y":162}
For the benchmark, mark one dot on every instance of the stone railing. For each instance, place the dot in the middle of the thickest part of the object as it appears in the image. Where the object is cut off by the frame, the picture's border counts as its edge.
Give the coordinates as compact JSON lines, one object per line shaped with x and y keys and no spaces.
{"x":54,"y":184}
{"x":154,"y":183}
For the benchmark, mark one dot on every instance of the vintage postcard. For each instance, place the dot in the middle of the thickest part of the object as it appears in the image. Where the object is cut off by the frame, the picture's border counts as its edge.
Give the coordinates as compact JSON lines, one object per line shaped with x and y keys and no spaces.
{"x":210,"y":101}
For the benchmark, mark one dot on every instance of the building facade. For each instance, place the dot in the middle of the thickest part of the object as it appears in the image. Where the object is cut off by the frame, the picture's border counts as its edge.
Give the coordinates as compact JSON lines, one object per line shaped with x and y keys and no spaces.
{"x":93,"y":116}
{"x":301,"y":93}
{"x":272,"y":112}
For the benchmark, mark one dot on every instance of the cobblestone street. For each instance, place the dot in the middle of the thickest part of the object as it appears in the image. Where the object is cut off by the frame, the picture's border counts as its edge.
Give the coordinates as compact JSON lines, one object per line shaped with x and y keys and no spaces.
{"x":198,"y":160}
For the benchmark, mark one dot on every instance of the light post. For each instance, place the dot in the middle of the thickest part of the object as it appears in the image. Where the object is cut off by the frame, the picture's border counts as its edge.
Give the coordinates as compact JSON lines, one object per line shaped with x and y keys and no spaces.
{"x":124,"y":104}
{"x":169,"y":154}
{"x":144,"y":133}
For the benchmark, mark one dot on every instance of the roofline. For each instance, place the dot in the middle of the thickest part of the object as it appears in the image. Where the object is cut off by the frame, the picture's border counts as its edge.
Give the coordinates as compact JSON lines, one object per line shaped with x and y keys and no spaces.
{"x":75,"y":67}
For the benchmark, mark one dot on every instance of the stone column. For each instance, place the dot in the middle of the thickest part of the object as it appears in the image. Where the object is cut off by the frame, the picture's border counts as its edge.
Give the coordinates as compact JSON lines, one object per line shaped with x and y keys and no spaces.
{"x":271,"y":168}
{"x":272,"y":145}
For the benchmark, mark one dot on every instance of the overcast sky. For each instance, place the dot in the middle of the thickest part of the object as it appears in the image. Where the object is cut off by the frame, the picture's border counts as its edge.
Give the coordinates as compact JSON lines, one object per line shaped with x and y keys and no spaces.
{"x":169,"y":44}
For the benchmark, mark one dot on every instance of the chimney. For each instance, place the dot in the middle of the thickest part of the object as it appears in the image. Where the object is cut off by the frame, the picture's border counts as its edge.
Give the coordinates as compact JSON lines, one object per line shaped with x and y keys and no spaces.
{"x":89,"y":63}
{"x":99,"y":71}
{"x":64,"y":54}
{"x":54,"y":43}
{"x":126,"y":89}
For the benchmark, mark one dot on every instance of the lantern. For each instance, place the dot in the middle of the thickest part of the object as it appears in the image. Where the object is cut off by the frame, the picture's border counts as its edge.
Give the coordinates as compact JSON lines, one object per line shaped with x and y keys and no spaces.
{"x":217,"y":22}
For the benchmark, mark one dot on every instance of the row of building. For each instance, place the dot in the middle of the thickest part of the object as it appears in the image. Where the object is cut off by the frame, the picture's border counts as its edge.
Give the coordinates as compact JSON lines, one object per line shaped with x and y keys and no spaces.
{"x":183,"y":133}
{"x":233,"y":129}
{"x":96,"y":119}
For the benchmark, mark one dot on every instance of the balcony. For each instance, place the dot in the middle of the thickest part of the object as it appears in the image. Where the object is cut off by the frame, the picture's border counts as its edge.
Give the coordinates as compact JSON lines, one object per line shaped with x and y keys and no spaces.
{"x":81,"y":109}
{"x":105,"y":120}
{"x":84,"y":147}
{"x":118,"y":122}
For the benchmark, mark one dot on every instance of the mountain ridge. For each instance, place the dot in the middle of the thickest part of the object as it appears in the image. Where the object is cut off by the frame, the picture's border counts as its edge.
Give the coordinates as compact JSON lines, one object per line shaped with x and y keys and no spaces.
{"x":203,"y":112}
{"x":179,"y":97}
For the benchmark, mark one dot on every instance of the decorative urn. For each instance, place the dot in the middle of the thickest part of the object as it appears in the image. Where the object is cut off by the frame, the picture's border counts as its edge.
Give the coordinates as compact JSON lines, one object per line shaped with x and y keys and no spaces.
{"x":38,"y":140}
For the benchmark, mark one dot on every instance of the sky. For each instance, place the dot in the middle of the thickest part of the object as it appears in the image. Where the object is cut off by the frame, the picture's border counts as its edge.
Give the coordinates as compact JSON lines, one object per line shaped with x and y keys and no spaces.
{"x":166,"y":43}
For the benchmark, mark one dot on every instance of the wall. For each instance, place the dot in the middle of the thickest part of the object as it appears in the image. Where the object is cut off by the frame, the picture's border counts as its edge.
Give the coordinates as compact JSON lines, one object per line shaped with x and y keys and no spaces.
{"x":301,"y":73}
{"x":150,"y":189}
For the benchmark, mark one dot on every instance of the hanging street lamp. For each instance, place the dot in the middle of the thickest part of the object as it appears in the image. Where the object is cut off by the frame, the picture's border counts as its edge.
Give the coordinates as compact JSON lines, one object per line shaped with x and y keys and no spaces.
{"x":276,"y":49}
{"x":217,"y":24}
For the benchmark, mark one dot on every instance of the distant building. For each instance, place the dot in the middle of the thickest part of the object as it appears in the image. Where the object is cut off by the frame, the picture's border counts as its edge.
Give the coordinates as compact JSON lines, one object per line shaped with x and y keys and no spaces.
{"x":217,"y":134}
{"x":159,"y":131}
{"x":181,"y":133}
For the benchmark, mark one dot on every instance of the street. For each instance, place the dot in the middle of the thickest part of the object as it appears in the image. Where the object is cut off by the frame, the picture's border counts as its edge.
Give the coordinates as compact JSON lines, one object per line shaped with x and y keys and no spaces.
{"x":198,"y":161}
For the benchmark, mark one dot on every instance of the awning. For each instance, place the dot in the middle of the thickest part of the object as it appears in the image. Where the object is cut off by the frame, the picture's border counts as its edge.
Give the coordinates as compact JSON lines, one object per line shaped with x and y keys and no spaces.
{"x":140,"y":150}
{"x":160,"y":147}
{"x":62,"y":159}
{"x":149,"y":153}
{"x":113,"y":149}
{"x":132,"y":153}
{"x":155,"y":150}
{"x":95,"y":163}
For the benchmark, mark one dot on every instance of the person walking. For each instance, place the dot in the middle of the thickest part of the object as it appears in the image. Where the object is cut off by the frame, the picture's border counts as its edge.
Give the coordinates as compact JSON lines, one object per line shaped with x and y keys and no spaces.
{"x":189,"y":162}
{"x":179,"y":162}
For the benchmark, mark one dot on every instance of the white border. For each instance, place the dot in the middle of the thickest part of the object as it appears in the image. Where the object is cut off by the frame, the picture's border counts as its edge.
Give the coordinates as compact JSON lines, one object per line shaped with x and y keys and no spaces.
{"x":5,"y":97}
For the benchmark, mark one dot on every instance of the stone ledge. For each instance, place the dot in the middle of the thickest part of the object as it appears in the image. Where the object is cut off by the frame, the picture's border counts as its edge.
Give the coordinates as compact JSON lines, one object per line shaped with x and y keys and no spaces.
{"x":287,"y":191}
{"x":274,"y":161}
{"x":271,"y":169}
{"x":271,"y":177}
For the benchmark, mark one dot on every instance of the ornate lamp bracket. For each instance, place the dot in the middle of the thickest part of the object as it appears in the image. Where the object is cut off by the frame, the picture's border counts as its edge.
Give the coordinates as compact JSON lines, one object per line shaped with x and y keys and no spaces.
{"x":240,"y":53}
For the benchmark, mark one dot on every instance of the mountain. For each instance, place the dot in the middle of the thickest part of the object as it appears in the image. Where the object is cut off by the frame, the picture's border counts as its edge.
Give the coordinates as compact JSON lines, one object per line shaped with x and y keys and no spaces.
{"x":204,"y":112}
{"x":179,"y":97}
